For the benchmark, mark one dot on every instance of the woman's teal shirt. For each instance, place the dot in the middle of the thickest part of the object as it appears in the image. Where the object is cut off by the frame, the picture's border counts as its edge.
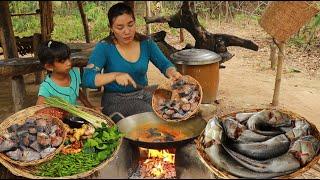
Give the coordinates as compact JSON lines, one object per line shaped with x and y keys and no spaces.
{"x":106,"y":56}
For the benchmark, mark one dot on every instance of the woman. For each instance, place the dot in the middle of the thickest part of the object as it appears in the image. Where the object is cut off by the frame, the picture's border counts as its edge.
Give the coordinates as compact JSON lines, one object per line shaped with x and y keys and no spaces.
{"x":124,"y":56}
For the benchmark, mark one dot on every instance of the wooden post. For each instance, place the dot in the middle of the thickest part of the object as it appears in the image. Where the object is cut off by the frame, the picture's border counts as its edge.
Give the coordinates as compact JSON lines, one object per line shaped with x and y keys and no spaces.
{"x":181,"y":35}
{"x":148,"y":12}
{"x":87,"y":35}
{"x":9,"y":46}
{"x":46,"y":18}
{"x":275,"y":100}
{"x":227,"y":12}
{"x":36,"y":40}
{"x":273,"y":59}
{"x":84,"y":21}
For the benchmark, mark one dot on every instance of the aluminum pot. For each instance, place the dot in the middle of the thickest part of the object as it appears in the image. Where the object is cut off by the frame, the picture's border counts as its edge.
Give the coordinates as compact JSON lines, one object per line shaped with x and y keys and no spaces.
{"x":133,"y":125}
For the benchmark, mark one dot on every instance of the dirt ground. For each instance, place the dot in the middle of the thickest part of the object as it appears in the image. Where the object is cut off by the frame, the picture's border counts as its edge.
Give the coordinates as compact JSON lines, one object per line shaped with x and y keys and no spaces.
{"x":246,"y":82}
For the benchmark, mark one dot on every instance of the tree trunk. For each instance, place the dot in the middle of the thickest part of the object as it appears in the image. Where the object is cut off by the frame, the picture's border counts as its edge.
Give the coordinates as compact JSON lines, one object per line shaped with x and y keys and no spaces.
{"x":275,"y":100}
{"x":273,"y":50}
{"x":9,"y":46}
{"x":46,"y":18}
{"x":84,"y":22}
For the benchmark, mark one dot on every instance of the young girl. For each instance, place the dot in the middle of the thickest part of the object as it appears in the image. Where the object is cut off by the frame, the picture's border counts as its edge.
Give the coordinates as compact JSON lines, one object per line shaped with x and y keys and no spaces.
{"x":62,"y":80}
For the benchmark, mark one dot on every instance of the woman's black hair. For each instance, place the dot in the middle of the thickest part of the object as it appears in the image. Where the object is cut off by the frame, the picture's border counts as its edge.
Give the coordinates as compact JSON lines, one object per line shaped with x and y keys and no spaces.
{"x":51,"y":51}
{"x":118,"y":10}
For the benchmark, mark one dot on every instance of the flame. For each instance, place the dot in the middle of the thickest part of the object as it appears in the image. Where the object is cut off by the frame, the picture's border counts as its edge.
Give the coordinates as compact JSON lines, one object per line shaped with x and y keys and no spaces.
{"x":157,"y":171}
{"x":164,"y":155}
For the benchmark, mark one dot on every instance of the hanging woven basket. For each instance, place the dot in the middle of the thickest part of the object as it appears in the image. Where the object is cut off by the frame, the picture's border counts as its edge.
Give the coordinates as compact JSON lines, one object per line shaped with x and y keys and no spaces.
{"x":282,"y":19}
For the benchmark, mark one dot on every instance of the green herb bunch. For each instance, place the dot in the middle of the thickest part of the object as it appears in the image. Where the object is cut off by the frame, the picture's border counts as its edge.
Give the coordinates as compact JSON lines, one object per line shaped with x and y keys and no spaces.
{"x":97,"y":149}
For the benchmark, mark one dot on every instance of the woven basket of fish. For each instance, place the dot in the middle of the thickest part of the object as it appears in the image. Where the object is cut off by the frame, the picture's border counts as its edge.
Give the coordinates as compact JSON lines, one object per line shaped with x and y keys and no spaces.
{"x":30,"y":140}
{"x":178,"y":100}
{"x":84,"y":151}
{"x":259,"y":143}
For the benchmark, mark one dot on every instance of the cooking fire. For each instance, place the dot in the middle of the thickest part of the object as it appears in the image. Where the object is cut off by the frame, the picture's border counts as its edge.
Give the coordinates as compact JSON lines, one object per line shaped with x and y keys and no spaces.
{"x":156,"y":164}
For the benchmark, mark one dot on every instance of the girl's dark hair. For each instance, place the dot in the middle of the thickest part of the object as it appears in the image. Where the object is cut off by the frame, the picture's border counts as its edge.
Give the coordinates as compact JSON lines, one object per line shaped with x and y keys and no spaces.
{"x":51,"y":51}
{"x":118,"y":10}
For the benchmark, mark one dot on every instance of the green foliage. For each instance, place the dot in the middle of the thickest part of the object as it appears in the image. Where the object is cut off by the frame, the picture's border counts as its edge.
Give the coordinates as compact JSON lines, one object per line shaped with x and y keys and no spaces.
{"x":306,"y":34}
{"x":23,"y":7}
{"x":25,"y":25}
{"x":67,"y":28}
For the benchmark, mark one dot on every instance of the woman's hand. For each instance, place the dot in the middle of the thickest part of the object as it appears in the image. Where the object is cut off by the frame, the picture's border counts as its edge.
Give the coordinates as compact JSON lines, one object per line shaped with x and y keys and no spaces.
{"x":173,"y":74}
{"x":125,"y":79}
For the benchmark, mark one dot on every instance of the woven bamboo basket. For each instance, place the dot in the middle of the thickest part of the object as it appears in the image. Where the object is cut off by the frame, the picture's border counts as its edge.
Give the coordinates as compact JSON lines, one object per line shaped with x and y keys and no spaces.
{"x":284,"y":18}
{"x":167,"y":86}
{"x":19,"y":118}
{"x":224,"y":174}
{"x":29,"y":171}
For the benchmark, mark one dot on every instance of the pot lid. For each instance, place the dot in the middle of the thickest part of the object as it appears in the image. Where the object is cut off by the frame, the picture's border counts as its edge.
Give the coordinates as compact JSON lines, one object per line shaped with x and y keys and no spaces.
{"x":195,"y":57}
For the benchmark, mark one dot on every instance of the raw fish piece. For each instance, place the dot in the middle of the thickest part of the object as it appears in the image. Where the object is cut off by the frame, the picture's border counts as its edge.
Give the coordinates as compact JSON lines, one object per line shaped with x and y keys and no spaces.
{"x":270,"y":148}
{"x":15,"y":155}
{"x":7,"y":145}
{"x":305,"y":148}
{"x":47,"y":151}
{"x":30,"y":155}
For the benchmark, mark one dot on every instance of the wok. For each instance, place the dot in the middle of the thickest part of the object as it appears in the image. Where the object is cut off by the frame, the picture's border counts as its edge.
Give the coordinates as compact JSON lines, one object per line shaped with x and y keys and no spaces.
{"x":161,"y":134}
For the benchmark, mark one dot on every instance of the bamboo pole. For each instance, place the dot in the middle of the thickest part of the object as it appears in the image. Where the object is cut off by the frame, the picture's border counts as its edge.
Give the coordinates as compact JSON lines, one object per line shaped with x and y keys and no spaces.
{"x":84,"y":21}
{"x":275,"y":100}
{"x":148,"y":12}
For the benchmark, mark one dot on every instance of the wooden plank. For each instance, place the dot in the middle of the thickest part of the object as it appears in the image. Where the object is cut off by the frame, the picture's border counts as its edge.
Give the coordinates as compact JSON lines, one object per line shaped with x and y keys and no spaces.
{"x":18,"y":92}
{"x":21,"y":66}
